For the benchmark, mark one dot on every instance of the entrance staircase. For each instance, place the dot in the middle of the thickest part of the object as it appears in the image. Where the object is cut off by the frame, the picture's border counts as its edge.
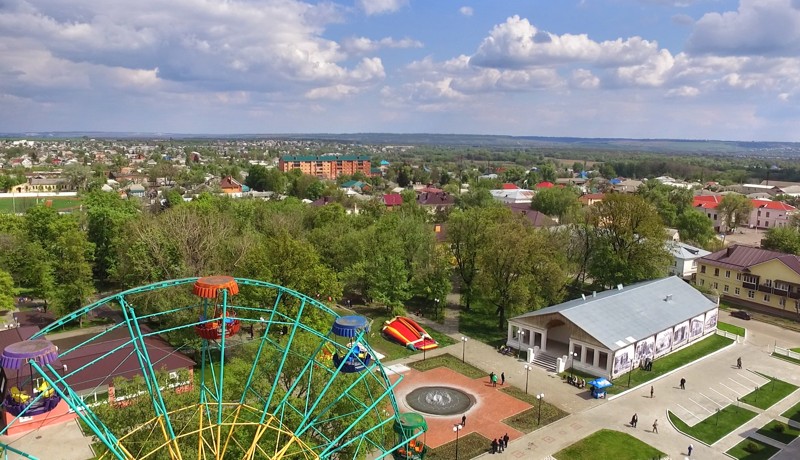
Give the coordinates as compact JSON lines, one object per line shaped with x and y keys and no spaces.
{"x":545,"y":361}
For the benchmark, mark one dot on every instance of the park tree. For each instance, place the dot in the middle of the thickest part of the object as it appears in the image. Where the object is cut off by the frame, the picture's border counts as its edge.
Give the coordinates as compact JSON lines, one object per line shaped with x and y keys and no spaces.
{"x":627,"y":241}
{"x":669,"y":201}
{"x":106,"y":216}
{"x":547,"y":171}
{"x":73,"y":255}
{"x":7,"y":291}
{"x":466,"y":237}
{"x":782,"y":239}
{"x":735,"y":210}
{"x":556,"y":201}
{"x":695,"y":227}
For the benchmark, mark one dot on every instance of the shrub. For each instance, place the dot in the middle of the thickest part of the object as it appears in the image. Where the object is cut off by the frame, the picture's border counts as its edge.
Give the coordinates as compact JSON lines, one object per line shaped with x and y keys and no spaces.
{"x":779,"y":427}
{"x":752,"y":447}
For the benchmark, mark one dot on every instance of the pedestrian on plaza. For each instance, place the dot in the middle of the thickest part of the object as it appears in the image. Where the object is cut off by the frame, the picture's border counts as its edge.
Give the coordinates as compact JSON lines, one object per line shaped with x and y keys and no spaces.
{"x":491,"y":377}
{"x":651,"y":391}
{"x":739,"y":362}
{"x":494,"y":446}
{"x":655,"y":427}
{"x":502,"y":378}
{"x":500,"y":447}
{"x":683,"y":384}
{"x":464,"y":420}
{"x":505,"y":440}
{"x":690,"y":449}
{"x":494,"y":379}
{"x":634,"y":420}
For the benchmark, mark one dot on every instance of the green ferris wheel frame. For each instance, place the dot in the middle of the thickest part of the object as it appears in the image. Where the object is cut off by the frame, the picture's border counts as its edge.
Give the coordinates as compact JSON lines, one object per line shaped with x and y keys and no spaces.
{"x":352,"y":391}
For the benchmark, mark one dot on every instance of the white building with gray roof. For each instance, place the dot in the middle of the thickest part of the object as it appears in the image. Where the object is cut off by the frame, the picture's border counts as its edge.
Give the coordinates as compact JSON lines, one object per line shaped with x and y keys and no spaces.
{"x":610,"y":332}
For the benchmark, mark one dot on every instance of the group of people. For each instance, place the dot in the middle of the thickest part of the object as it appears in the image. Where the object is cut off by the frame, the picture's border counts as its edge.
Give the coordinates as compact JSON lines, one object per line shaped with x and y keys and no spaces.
{"x":500,"y":444}
{"x":506,"y":350}
{"x":493,"y":378}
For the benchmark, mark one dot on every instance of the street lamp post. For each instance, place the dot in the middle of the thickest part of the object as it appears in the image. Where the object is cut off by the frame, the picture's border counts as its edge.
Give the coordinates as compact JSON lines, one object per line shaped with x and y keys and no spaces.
{"x":520,"y":333}
{"x":718,"y":411}
{"x":572,"y":355}
{"x":463,"y":347}
{"x":527,"y":374}
{"x":456,"y":429}
{"x":540,"y":398}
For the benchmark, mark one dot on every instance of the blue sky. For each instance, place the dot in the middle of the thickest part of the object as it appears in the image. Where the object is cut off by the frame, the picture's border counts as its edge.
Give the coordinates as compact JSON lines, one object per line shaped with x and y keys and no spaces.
{"x":699,"y":69}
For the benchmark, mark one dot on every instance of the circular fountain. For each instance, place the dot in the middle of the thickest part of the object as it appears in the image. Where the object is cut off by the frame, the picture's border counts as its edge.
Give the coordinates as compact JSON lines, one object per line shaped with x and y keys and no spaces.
{"x":439,"y":400}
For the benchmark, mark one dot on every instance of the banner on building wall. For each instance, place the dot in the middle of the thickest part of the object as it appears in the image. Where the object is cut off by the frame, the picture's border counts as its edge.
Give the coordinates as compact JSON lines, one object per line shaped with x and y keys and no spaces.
{"x":696,"y":327}
{"x":680,"y":334}
{"x":711,"y":321}
{"x":623,"y":360}
{"x":645,"y":349}
{"x":663,"y":342}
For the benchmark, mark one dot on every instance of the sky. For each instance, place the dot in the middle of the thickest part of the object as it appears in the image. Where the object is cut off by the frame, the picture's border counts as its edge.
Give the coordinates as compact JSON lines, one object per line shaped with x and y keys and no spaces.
{"x":678,"y":69}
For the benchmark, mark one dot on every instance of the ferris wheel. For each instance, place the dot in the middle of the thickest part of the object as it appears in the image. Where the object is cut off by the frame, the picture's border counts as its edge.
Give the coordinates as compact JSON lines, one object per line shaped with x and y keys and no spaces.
{"x":276,"y":375}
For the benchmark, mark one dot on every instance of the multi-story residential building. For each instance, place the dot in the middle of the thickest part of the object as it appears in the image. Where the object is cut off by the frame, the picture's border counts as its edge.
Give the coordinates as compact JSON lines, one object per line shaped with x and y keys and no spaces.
{"x":770,"y":214}
{"x":754,"y":277}
{"x":326,"y":166}
{"x":707,"y":204}
{"x":684,"y":258}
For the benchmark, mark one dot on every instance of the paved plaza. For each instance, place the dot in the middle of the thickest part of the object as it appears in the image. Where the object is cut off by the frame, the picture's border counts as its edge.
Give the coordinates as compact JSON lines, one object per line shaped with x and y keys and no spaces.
{"x":711,"y":383}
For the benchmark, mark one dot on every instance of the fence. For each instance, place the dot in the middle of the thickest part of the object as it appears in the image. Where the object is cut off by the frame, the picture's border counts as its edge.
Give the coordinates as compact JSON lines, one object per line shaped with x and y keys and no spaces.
{"x":787,"y":353}
{"x":730,"y":335}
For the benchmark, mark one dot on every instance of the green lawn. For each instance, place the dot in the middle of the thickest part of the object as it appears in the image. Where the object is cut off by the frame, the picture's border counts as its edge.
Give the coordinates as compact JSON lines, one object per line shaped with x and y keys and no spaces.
{"x":9,"y":205}
{"x":450,"y":362}
{"x":609,"y":444}
{"x":480,"y":325}
{"x":762,"y":451}
{"x":769,"y":393}
{"x":671,"y":361}
{"x":526,"y":421}
{"x":773,"y":430}
{"x":716,"y":426}
{"x":469,"y":446}
{"x":730,"y":328}
{"x":793,"y":413}
{"x":786,"y":358}
{"x":386,"y":346}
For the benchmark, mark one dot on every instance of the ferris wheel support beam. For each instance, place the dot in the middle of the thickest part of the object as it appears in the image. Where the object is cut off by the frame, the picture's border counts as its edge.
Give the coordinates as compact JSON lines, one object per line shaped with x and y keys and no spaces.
{"x":260,"y":350}
{"x":150,"y":378}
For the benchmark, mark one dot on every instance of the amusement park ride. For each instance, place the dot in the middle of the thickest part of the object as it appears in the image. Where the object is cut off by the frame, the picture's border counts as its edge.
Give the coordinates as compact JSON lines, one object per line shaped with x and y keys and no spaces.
{"x":314,"y":389}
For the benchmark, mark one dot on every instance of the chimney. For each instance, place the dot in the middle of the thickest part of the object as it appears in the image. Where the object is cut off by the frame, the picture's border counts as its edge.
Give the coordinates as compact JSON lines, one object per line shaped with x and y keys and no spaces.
{"x":729,"y":251}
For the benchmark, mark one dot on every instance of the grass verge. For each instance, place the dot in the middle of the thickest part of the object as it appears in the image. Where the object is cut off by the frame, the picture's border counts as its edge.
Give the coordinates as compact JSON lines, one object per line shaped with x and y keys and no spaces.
{"x":769,"y":393}
{"x":480,"y":325}
{"x":608,"y":444}
{"x":670,"y":362}
{"x":793,"y":413}
{"x":751,"y":449}
{"x":779,"y":431}
{"x":716,"y":426}
{"x":786,"y":358}
{"x":451,"y":362}
{"x":469,"y":446}
{"x":529,"y":420}
{"x":730,"y":328}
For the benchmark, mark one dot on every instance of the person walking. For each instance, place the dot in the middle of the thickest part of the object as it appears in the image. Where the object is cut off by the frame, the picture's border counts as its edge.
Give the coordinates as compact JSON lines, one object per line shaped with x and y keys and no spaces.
{"x":655,"y":426}
{"x":683,"y":384}
{"x":651,"y":391}
{"x":491,"y":377}
{"x":505,"y":440}
{"x":494,"y":379}
{"x":634,"y":420}
{"x":739,"y":362}
{"x":464,"y":420}
{"x":502,"y":378}
{"x":494,"y":446}
{"x":500,"y":447}
{"x":690,"y":449}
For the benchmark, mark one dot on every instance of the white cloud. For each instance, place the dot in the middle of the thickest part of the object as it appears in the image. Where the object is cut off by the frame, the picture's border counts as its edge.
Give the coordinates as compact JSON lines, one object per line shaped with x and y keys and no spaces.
{"x":371,"y":7}
{"x":683,"y":91}
{"x":466,"y":10}
{"x":363,"y":45}
{"x":584,"y":79}
{"x":758,"y":27}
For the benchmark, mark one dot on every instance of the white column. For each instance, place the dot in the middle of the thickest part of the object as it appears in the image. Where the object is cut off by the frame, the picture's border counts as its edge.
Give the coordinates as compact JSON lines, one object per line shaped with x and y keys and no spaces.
{"x":544,"y":340}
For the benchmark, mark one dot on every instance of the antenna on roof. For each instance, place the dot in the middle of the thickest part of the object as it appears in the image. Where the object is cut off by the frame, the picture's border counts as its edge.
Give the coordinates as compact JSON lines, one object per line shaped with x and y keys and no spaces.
{"x":619,"y":287}
{"x":583,"y":296}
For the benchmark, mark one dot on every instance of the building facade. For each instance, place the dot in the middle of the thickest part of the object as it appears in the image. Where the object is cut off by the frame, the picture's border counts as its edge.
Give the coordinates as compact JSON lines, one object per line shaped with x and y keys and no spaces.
{"x":684,"y":259}
{"x":327,"y":166}
{"x":754,"y":277}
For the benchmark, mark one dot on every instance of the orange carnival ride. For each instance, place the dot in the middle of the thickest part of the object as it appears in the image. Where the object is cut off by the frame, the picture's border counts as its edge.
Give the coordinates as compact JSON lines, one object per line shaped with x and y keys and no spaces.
{"x":406,"y":331}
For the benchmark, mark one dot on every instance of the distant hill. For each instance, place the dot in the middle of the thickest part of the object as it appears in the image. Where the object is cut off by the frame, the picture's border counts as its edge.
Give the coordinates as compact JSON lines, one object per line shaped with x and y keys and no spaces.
{"x":677,"y":146}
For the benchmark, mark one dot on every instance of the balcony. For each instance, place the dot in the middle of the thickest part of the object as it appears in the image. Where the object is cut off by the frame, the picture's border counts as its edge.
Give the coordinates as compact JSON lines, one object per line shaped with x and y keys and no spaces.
{"x":763,"y":288}
{"x":747,"y":285}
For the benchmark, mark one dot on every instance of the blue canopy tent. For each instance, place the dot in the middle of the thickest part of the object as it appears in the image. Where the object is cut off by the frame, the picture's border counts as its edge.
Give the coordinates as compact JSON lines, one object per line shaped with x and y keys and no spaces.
{"x":599,"y":386}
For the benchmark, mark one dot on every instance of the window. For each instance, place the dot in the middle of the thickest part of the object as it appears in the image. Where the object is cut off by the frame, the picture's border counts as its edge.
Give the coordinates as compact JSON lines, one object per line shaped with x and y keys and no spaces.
{"x":738,"y":277}
{"x":577,"y":349}
{"x":768,"y":283}
{"x":702,"y":269}
{"x":727,"y":273}
{"x":766,"y":223}
{"x":603,"y":361}
{"x":759,"y":213}
{"x":716,"y":272}
{"x":715,"y":217}
{"x":725,"y":288}
{"x":702,"y":282}
{"x":716,"y":285}
{"x":751,"y":294}
{"x":766,"y":297}
{"x":750,"y":279}
{"x":767,"y":216}
{"x":736,"y":291}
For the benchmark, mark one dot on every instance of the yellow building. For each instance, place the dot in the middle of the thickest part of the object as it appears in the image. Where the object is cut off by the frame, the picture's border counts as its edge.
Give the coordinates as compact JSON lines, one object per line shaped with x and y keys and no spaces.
{"x":753,"y":277}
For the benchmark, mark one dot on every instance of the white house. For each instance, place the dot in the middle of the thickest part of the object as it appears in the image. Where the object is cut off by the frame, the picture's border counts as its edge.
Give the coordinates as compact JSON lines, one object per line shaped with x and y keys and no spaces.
{"x":519,"y":195}
{"x":611,"y":332}
{"x":684,"y":259}
{"x":770,"y":214}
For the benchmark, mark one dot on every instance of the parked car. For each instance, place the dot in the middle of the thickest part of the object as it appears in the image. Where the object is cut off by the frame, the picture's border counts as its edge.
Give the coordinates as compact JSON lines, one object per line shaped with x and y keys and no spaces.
{"x":741,"y":314}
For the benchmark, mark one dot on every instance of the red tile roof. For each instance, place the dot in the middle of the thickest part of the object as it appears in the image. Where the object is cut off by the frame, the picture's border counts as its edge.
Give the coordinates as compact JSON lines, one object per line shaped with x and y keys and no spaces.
{"x":544,"y":184}
{"x":392,"y":199}
{"x":509,"y":186}
{"x":769,"y":204}
{"x":535,"y":218}
{"x":740,"y":257}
